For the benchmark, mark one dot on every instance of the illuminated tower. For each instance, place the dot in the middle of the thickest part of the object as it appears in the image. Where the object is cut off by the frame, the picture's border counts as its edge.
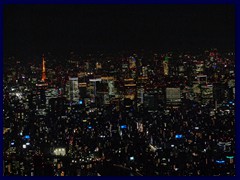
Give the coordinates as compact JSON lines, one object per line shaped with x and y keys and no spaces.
{"x":43,"y":69}
{"x":165,"y":66}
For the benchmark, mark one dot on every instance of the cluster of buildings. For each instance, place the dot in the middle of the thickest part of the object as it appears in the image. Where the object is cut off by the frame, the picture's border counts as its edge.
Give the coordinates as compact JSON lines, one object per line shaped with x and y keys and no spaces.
{"x":145,"y":113}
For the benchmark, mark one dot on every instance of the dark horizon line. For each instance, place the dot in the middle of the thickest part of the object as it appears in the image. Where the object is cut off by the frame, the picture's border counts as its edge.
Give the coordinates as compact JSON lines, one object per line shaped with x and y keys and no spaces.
{"x":34,"y":58}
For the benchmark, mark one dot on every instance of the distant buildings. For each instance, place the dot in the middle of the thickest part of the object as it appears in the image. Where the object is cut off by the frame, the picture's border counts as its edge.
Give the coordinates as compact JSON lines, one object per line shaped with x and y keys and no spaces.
{"x":163,"y":114}
{"x":72,"y":90}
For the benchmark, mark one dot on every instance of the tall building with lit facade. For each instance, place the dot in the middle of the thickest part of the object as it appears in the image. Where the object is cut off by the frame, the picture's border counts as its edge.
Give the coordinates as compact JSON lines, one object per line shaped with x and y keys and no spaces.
{"x":165,"y":66}
{"x":72,"y":89}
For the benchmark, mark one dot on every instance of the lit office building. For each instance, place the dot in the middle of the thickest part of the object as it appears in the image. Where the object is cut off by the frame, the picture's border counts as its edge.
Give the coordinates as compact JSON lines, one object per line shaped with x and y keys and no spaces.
{"x":72,"y":89}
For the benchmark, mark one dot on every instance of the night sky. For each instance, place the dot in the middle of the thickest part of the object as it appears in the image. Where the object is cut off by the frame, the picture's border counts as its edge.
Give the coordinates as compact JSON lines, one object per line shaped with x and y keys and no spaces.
{"x":33,"y":29}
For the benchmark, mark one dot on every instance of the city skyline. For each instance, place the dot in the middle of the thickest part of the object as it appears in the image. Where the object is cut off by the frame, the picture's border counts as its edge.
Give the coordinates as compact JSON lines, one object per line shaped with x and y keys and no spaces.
{"x":119,"y":90}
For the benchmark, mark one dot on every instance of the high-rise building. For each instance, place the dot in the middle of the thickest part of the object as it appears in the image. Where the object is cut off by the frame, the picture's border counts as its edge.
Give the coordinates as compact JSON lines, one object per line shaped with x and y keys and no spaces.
{"x":150,"y":101}
{"x":173,"y":96}
{"x":132,"y":67}
{"x":165,"y":66}
{"x":73,"y":90}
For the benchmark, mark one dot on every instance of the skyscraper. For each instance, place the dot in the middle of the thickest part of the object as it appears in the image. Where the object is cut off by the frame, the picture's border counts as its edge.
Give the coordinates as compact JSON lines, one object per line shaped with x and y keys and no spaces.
{"x":165,"y":66}
{"x":73,"y":90}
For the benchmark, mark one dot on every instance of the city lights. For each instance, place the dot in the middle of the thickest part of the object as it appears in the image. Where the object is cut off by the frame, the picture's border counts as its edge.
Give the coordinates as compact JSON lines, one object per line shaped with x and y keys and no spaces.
{"x":133,"y":90}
